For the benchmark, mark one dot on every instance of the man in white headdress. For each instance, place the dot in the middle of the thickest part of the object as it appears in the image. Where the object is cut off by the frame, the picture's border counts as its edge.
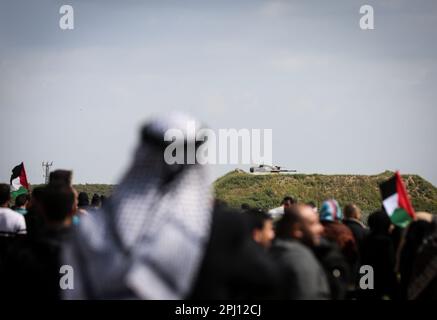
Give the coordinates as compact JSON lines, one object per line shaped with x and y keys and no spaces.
{"x":149,"y":239}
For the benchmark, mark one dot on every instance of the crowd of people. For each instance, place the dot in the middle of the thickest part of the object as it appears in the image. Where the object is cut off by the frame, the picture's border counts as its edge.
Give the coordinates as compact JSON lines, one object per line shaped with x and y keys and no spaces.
{"x":162,"y":235}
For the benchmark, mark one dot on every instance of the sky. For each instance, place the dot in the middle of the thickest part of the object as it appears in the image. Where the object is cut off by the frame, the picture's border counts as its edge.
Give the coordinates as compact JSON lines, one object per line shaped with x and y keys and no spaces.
{"x":340,"y":100}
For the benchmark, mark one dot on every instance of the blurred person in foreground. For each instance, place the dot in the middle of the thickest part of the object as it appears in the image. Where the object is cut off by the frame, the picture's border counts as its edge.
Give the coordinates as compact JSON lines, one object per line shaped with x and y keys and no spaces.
{"x":313,"y":206}
{"x":297,"y":232}
{"x":32,"y":266}
{"x":160,"y":236}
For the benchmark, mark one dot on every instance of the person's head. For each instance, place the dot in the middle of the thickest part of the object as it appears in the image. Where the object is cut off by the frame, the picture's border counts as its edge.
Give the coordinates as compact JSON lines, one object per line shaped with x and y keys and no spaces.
{"x":37,"y":194}
{"x":83,"y":200}
{"x":330,"y":211}
{"x":417,"y":231}
{"x":287,"y":202}
{"x":5,"y":195}
{"x":36,"y":200}
{"x":21,"y":200}
{"x":61,"y":176}
{"x":95,"y":200}
{"x":58,"y":203}
{"x":261,"y":227}
{"x":312,"y":205}
{"x":351,"y":211}
{"x":35,"y":218}
{"x":379,"y":222}
{"x":301,"y":223}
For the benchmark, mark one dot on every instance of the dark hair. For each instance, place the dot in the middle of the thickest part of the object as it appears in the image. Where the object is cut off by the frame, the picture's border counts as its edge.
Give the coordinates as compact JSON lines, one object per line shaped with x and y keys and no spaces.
{"x":379,"y":222}
{"x":61,"y":176}
{"x":21,"y":200}
{"x":58,"y":201}
{"x":288,"y":198}
{"x":38,"y":193}
{"x":5,"y":193}
{"x":257,"y":218}
{"x":284,"y":226}
{"x":95,"y":201}
{"x":83,"y":200}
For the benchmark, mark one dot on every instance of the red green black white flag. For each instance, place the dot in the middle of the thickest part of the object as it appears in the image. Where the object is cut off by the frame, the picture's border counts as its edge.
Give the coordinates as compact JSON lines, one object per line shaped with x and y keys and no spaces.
{"x":19,"y":184}
{"x":396,"y":202}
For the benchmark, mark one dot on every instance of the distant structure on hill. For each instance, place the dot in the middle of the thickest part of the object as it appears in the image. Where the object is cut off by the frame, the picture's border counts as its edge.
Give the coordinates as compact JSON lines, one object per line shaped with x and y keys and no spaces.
{"x":265,"y":168}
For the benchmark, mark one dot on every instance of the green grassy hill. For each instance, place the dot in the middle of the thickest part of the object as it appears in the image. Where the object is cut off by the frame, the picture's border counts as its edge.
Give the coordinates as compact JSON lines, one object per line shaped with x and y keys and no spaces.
{"x":267,"y":191}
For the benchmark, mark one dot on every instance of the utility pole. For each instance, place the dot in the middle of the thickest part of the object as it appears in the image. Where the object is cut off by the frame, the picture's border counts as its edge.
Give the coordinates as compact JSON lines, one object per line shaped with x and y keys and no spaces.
{"x":46,"y":167}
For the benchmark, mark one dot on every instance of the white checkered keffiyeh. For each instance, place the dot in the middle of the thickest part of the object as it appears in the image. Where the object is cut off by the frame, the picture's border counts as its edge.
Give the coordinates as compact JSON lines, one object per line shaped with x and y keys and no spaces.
{"x":149,"y":241}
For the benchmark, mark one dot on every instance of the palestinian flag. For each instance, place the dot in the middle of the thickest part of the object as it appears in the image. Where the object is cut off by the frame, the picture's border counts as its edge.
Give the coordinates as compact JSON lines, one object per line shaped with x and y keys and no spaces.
{"x":396,"y":202}
{"x":19,"y":184}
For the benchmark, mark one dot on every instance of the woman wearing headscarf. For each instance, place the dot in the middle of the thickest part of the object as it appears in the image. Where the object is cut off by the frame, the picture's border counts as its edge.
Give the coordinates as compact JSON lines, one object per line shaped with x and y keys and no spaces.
{"x":336,"y":251}
{"x":335,"y":231}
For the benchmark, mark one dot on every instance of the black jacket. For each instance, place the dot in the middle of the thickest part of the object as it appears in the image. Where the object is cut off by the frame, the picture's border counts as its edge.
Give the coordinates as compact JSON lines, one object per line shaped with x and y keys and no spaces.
{"x":336,"y":268}
{"x":359,"y":231}
{"x":379,"y":253}
{"x":234,"y":266}
{"x":31,"y":266}
{"x":304,"y":277}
